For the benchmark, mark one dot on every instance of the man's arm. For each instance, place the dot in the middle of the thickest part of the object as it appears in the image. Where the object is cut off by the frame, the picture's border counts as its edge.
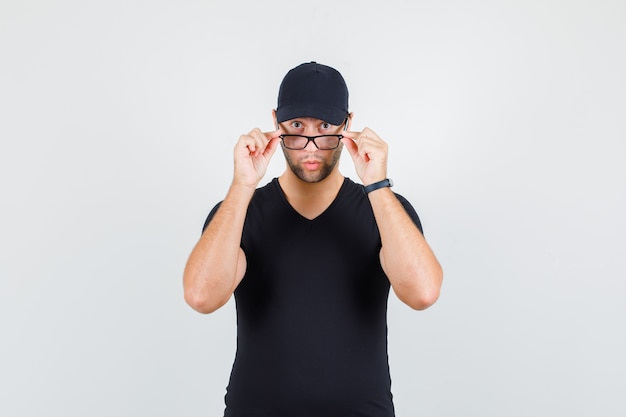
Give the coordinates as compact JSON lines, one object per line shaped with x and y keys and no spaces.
{"x":217,"y":263}
{"x":406,"y":258}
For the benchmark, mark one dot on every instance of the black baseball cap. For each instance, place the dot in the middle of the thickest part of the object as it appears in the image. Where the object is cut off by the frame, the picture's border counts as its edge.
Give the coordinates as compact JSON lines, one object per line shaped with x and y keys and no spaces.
{"x":313,"y":90}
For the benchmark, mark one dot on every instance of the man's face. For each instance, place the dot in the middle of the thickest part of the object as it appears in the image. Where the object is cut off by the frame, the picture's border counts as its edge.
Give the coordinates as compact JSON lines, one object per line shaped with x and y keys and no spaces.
{"x":311,"y":164}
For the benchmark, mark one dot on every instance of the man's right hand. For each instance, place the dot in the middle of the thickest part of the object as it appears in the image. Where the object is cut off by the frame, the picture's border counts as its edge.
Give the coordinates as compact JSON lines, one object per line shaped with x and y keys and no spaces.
{"x":253,"y":153}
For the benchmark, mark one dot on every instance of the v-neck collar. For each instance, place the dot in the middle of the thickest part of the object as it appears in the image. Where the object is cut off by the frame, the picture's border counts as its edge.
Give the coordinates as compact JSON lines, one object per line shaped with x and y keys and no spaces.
{"x":322,"y":214}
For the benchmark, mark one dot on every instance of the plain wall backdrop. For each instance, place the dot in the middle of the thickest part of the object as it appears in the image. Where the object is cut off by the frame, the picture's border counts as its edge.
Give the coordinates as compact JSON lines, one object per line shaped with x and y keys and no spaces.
{"x":506,"y":128}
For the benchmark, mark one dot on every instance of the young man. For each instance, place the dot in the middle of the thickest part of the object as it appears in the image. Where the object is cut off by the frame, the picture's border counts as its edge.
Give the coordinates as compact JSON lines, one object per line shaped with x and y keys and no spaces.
{"x":310,"y":258}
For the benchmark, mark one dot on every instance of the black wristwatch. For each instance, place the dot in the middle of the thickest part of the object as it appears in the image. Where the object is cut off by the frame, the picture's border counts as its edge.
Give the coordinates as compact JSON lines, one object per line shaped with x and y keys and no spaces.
{"x":380,"y":184}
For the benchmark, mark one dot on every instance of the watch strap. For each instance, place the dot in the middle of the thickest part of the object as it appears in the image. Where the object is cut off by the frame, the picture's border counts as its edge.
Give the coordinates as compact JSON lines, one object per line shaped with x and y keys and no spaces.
{"x":375,"y":186}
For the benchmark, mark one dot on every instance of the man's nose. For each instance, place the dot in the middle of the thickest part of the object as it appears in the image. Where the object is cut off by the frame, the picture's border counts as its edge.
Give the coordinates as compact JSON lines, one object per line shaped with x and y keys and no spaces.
{"x":310,"y":146}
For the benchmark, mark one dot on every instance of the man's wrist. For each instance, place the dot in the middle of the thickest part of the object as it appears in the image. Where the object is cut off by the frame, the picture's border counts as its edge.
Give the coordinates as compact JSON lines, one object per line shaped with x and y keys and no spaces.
{"x":241,"y":190}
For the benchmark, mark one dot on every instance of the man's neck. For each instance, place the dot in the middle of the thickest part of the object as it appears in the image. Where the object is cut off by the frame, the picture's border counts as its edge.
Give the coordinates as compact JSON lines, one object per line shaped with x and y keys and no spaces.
{"x":310,"y":199}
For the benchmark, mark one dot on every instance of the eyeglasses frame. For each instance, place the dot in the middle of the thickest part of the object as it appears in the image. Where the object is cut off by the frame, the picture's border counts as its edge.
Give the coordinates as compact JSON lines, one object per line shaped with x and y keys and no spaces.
{"x":311,"y":139}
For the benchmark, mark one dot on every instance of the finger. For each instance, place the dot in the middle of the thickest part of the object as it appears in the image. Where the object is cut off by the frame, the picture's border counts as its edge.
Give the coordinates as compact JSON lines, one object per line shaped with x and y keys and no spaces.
{"x":274,"y":134}
{"x":351,"y":135}
{"x":246,"y":142}
{"x":351,"y":146}
{"x":369,"y":132}
{"x":271,"y":147}
{"x":260,"y":140}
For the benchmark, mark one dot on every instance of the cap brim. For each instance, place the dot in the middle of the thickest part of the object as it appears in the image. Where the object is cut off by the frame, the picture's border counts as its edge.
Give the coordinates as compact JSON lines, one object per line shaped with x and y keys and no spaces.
{"x":330,"y":115}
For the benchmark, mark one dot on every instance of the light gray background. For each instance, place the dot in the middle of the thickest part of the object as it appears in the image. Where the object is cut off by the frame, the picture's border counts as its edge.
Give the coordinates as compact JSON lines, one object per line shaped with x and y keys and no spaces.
{"x":506,"y":128}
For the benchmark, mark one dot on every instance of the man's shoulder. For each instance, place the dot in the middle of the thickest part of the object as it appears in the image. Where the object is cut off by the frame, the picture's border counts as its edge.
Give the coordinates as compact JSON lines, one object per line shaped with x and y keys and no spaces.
{"x":263,"y":196}
{"x":269,"y":187}
{"x":353,"y":189}
{"x":267,"y":192}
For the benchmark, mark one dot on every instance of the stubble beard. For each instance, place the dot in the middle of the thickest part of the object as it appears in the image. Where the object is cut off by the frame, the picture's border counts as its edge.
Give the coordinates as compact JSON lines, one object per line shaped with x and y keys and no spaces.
{"x":314,"y":177}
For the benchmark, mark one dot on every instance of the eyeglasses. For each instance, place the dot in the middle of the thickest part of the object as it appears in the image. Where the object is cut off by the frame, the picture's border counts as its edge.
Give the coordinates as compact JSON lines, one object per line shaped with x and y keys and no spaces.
{"x":322,"y":142}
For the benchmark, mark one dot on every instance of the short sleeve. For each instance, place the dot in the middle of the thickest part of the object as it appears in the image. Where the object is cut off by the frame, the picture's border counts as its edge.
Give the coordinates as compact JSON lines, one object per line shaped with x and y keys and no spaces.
{"x":210,"y":216}
{"x":411,"y":212}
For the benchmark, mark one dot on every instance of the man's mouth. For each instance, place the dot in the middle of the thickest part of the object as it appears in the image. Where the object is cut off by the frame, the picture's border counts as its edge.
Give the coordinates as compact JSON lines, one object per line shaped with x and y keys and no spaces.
{"x":311,"y":164}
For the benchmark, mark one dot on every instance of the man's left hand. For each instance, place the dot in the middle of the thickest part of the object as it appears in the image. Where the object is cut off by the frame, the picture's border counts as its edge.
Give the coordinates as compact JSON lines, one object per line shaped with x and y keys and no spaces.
{"x":369,"y":153}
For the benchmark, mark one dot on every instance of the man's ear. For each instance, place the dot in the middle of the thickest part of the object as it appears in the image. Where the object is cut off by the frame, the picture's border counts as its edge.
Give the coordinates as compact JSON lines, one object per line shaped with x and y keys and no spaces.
{"x":274,"y":119}
{"x":346,"y":127}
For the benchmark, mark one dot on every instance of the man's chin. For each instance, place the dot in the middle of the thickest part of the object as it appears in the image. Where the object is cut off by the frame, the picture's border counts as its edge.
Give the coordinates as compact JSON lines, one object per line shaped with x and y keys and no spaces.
{"x":313,"y":174}
{"x":310,"y":177}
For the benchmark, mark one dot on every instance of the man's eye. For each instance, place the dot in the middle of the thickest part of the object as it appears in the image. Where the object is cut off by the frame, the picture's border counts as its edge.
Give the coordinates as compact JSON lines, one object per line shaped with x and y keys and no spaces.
{"x":325,"y":125}
{"x":296,"y":125}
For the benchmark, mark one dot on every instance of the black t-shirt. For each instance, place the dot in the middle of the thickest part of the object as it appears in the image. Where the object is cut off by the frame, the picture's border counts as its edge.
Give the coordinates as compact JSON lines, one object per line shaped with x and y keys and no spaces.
{"x":311,"y":311}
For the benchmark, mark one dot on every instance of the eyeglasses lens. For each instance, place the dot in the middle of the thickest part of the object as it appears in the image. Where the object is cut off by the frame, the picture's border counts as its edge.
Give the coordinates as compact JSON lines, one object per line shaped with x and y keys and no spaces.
{"x":300,"y":142}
